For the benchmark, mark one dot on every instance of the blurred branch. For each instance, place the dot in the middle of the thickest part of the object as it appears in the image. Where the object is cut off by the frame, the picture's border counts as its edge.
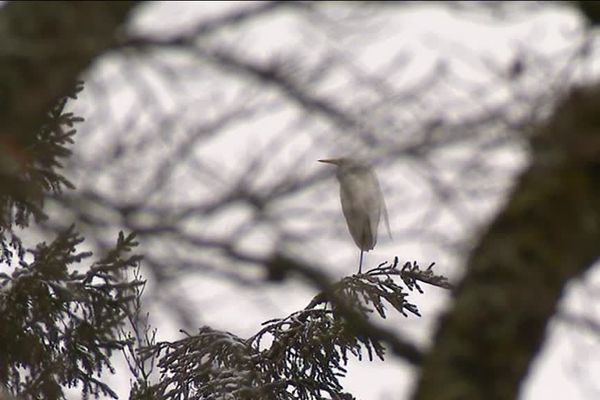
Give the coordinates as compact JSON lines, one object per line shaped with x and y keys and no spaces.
{"x":234,"y":18}
{"x":276,"y":76}
{"x":581,"y":321}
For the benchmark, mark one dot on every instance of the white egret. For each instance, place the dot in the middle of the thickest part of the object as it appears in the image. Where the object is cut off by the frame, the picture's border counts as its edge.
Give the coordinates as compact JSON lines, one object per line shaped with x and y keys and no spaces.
{"x":362,"y":202}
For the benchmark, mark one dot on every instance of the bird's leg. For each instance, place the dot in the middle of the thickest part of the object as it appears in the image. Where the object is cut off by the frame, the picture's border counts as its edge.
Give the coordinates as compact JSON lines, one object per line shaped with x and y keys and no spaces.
{"x":360,"y":262}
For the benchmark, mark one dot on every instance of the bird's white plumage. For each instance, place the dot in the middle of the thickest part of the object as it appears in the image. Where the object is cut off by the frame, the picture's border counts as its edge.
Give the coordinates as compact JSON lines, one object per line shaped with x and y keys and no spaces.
{"x":362,"y":201}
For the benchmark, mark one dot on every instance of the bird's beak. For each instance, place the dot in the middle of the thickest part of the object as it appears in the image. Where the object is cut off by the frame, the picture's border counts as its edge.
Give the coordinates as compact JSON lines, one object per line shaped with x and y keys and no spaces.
{"x":331,"y":161}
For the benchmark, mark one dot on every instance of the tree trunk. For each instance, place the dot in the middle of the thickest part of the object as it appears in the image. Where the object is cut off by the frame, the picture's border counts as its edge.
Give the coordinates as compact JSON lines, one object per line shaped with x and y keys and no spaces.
{"x":547,"y":233}
{"x":45,"y":46}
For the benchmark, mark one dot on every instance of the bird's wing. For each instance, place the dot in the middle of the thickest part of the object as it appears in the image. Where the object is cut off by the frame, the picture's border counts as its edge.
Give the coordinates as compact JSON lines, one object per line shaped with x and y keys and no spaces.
{"x":378,"y":206}
{"x":373,"y":208}
{"x":385,"y":216}
{"x":361,"y":213}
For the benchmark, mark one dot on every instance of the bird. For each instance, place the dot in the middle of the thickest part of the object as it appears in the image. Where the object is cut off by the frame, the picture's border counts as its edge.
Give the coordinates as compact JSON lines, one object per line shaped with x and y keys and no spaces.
{"x":362,"y":201}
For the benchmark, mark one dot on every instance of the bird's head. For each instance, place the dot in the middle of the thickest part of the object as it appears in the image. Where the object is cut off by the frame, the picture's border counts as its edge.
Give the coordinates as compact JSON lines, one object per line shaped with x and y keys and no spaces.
{"x":347,"y":164}
{"x":349,"y":167}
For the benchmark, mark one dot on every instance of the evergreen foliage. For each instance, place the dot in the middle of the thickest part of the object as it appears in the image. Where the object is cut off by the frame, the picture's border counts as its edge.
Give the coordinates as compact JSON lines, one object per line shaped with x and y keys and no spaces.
{"x":59,"y":325}
{"x":302,"y":356}
{"x":30,"y":166}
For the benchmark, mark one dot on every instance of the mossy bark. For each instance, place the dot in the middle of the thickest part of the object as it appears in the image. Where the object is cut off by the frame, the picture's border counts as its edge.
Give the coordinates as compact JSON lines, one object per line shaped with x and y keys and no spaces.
{"x":44,"y":47}
{"x":547,"y":233}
